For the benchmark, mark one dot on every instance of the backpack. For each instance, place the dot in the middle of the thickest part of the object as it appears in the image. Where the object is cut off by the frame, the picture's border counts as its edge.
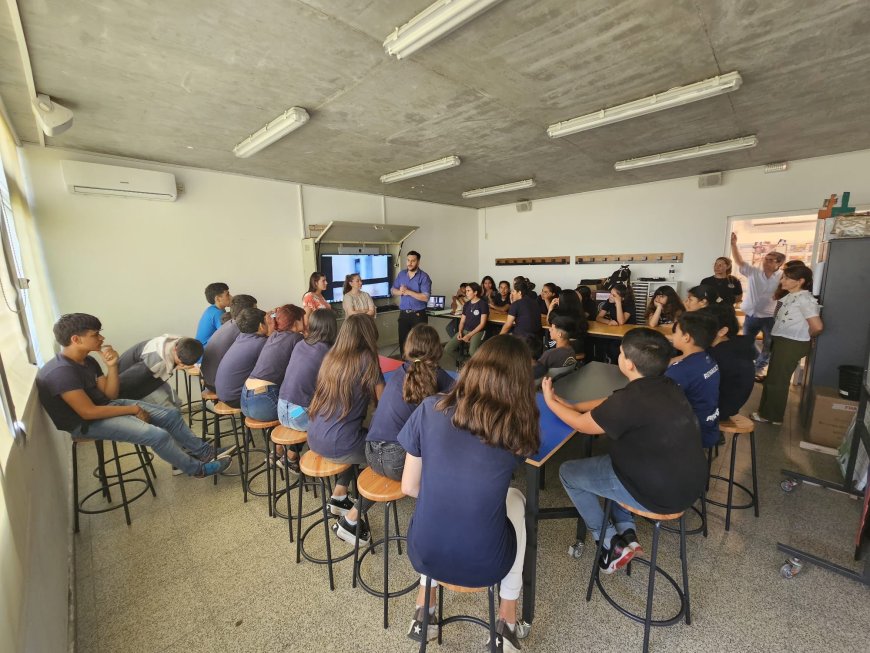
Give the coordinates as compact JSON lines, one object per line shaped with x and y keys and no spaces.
{"x":622,"y":275}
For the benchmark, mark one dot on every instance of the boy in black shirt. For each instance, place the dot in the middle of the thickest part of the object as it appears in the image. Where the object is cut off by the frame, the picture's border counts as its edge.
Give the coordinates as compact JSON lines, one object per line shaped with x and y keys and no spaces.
{"x":655,"y":464}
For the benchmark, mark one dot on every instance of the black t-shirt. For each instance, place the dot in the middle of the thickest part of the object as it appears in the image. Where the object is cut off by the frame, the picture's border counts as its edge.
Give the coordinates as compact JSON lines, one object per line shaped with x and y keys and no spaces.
{"x":474,"y":312}
{"x":527,"y":317}
{"x":60,"y":375}
{"x":655,"y":443}
{"x":728,"y":288}
{"x":609,"y":309}
{"x":736,"y":360}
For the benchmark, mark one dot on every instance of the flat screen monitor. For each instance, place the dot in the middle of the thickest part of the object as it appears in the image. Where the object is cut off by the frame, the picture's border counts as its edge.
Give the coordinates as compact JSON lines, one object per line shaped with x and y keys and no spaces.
{"x":436,"y":302}
{"x":375,"y":270}
{"x":602,"y":295}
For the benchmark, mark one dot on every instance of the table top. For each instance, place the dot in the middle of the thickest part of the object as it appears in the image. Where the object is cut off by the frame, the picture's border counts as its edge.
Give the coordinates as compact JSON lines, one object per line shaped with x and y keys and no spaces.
{"x":595,"y":328}
{"x":592,"y":381}
{"x":388,"y":364}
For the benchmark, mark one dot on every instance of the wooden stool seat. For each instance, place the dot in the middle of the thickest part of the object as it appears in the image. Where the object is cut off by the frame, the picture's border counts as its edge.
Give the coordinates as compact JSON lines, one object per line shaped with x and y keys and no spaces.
{"x":221,"y":408}
{"x":651,"y":515}
{"x":736,"y":424}
{"x":316,"y":466}
{"x":461,"y":589}
{"x":192,"y":371}
{"x":379,"y":489}
{"x":252,"y":423}
{"x":285,"y":436}
{"x":208,"y":395}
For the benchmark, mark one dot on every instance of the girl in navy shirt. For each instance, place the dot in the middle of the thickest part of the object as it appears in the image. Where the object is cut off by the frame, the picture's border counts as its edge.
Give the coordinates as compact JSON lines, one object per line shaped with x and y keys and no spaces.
{"x":418,"y":378}
{"x":524,"y":314}
{"x":349,"y":380}
{"x":468,"y":525}
{"x":618,"y":309}
{"x":475,"y":313}
{"x":260,"y":393}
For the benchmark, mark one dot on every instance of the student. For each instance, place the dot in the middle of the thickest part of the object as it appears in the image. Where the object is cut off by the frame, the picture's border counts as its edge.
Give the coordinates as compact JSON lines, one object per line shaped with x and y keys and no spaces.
{"x":468,"y":526}
{"x":758,"y":302}
{"x":487,"y":289}
{"x":356,"y":300}
{"x":223,"y":339}
{"x":590,"y":306}
{"x":475,"y":313}
{"x":735,"y":356}
{"x":727,"y":286}
{"x":240,"y":359}
{"x":664,"y":307}
{"x":145,"y":369}
{"x":524,"y":315}
{"x":549,"y":292}
{"x":349,"y":380}
{"x":259,"y":398}
{"x":655,"y":463}
{"x":563,"y":354}
{"x":701,"y":297}
{"x":568,"y":304}
{"x":83,"y":401}
{"x":796,"y":323}
{"x":218,"y":296}
{"x":502,"y":299}
{"x":617,"y":310}
{"x":696,"y":372}
{"x":294,"y":395}
{"x":458,"y":300}
{"x":314,"y":299}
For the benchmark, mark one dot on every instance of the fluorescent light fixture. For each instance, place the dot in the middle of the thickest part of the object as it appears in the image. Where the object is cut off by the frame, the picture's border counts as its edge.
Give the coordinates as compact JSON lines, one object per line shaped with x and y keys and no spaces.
{"x":422,"y":169}
{"x":675,"y":97}
{"x":782,"y":166}
{"x":291,"y":119}
{"x":503,"y":188}
{"x":432,"y":23}
{"x":709,"y":149}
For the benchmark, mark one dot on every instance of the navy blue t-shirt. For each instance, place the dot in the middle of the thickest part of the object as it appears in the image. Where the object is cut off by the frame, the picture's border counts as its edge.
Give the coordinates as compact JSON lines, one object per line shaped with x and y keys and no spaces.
{"x":610,"y":311}
{"x":392,"y":411}
{"x":218,"y":345}
{"x":273,"y":360}
{"x":459,"y":532}
{"x":334,"y":436}
{"x":236,"y":366}
{"x":60,"y":375}
{"x":301,"y":375}
{"x":527,"y":317}
{"x":736,"y":360}
{"x":698,"y":376}
{"x":473,"y":314}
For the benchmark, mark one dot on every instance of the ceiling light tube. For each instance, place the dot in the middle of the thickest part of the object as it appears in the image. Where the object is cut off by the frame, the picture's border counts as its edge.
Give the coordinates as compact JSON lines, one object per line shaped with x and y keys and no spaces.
{"x":422,"y":169}
{"x":709,"y":149}
{"x":291,"y":119}
{"x":503,"y":188}
{"x":432,"y":23}
{"x":675,"y":97}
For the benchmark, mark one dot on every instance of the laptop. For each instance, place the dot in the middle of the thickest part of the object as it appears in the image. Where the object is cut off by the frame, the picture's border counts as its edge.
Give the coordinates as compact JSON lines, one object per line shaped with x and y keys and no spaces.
{"x":602,"y":295}
{"x":436,"y":302}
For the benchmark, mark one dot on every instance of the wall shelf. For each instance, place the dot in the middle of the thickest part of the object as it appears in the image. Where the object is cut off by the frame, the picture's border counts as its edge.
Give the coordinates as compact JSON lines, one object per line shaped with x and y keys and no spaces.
{"x":658,"y":257}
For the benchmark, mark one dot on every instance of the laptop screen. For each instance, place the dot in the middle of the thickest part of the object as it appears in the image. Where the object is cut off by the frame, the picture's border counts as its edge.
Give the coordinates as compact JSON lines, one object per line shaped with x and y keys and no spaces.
{"x":436,"y":302}
{"x":602,"y":295}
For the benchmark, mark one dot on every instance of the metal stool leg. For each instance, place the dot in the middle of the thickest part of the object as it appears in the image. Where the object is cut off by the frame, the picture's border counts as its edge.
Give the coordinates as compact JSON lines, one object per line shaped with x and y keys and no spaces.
{"x":731,"y":480}
{"x":652,"y":581}
{"x":493,"y":647}
{"x":143,"y":461}
{"x":426,"y":604}
{"x":685,"y":568}
{"x":594,"y":575}
{"x":101,"y":467}
{"x":121,"y":482}
{"x":754,"y":473}
{"x":326,"y":534}
{"x":75,"y":480}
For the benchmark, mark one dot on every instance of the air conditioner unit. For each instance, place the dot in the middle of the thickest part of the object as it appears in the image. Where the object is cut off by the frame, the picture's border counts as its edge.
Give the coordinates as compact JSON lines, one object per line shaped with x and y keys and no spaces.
{"x":96,"y":179}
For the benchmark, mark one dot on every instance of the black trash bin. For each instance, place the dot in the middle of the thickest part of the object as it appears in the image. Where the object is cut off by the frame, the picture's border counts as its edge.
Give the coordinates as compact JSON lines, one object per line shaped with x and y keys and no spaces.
{"x":850,"y":381}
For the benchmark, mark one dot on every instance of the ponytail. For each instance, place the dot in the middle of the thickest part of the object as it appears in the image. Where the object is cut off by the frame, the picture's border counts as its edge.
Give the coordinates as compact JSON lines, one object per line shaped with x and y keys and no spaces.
{"x":423,"y":350}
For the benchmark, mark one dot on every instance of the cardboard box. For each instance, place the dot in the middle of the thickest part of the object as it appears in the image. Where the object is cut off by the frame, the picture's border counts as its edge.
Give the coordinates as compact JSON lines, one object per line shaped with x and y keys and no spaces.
{"x":831,"y":417}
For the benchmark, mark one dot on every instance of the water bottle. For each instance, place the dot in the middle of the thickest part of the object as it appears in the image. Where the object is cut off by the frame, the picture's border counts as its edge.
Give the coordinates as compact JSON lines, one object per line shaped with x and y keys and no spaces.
{"x":672,"y":273}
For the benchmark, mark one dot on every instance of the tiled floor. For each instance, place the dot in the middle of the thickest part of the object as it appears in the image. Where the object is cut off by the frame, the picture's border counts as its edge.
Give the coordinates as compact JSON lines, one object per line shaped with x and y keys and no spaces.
{"x":199,"y":570}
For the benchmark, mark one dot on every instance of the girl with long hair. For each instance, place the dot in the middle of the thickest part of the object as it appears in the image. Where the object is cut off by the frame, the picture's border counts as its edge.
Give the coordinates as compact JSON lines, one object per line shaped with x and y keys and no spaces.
{"x":468,"y":526}
{"x":619,"y":307}
{"x":349,"y":380}
{"x":700,"y":297}
{"x":487,"y":289}
{"x":356,"y":300}
{"x":727,"y":286}
{"x":664,"y":307}
{"x":314,"y":299}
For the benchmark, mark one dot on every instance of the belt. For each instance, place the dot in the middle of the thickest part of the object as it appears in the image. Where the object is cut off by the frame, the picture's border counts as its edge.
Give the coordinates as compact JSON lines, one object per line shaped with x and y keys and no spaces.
{"x":414,"y":310}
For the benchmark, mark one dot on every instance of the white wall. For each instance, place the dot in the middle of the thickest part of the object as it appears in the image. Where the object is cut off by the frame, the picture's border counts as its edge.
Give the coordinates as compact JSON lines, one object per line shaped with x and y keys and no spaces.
{"x":667,"y":216}
{"x":141,"y":266}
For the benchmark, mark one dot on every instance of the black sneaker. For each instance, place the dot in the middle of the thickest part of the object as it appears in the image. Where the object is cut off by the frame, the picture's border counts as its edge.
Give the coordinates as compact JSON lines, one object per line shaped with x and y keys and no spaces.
{"x":630,"y":539}
{"x":505,"y":638}
{"x":339,"y":508}
{"x":347,"y":532}
{"x":415,"y":632}
{"x":616,"y":557}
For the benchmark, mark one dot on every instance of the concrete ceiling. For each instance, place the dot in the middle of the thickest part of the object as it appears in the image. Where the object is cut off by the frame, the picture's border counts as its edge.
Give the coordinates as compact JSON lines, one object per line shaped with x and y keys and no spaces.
{"x":183,"y":82}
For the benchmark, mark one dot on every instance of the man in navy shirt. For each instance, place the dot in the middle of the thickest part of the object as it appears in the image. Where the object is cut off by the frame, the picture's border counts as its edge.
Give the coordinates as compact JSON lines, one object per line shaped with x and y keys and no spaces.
{"x":82,"y":400}
{"x":413,"y":287}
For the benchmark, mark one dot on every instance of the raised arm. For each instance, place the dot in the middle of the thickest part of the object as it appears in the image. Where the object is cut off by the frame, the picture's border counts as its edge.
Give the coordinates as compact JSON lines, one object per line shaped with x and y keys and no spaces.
{"x":735,"y":253}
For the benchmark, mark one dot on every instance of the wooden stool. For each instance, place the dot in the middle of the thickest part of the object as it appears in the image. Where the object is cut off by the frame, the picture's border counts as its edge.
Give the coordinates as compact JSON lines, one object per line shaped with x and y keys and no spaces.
{"x":285,"y":437}
{"x":252,"y":425}
{"x":738,"y":425}
{"x":683,"y":593}
{"x":380,"y":489}
{"x":204,"y":397}
{"x":491,"y":591}
{"x":219,"y":410}
{"x":121,"y":482}
{"x":319,"y":469}
{"x":188,"y":374}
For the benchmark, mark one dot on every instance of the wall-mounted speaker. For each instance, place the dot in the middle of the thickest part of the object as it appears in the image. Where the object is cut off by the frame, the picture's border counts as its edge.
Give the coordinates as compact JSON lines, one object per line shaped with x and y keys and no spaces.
{"x":524,"y":205}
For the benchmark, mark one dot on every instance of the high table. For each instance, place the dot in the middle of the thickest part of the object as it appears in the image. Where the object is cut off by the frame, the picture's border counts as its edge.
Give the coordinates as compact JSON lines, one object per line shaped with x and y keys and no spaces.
{"x":592,"y":381}
{"x":595,"y":328}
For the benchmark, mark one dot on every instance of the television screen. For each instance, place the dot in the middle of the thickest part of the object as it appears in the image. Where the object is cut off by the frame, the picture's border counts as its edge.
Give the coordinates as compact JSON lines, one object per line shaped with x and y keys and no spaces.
{"x":375,"y":270}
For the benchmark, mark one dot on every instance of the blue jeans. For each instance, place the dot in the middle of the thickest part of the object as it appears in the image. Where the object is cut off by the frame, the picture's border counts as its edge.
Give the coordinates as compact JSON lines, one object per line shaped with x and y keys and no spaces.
{"x":751,"y":326}
{"x":166,"y":434}
{"x":586,"y":480}
{"x":262,"y":406}
{"x":292,"y":416}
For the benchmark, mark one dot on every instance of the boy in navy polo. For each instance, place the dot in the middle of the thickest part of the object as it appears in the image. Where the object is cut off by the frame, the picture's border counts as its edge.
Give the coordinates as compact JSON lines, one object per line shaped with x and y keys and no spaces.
{"x":413,"y":287}
{"x":696,"y":372}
